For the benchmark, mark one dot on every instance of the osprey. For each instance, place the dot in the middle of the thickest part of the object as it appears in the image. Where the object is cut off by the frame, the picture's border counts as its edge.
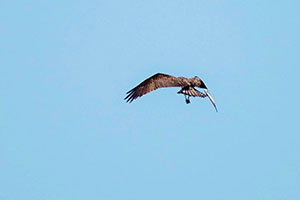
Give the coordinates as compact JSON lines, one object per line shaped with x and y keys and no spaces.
{"x":160,"y":80}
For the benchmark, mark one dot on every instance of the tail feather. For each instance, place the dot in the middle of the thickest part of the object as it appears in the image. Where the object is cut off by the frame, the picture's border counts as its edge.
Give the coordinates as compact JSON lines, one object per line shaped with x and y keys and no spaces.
{"x":190,"y":91}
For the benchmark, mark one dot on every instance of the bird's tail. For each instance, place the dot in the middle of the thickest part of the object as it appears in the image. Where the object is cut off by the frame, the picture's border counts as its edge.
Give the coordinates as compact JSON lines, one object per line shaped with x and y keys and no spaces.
{"x":191,"y":92}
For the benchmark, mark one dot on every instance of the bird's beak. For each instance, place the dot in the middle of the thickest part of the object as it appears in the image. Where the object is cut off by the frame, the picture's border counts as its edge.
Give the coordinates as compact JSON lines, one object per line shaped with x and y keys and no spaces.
{"x":210,"y":98}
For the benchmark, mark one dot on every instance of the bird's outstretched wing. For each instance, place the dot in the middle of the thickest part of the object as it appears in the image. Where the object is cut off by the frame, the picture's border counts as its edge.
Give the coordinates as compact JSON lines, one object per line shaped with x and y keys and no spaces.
{"x":154,"y":82}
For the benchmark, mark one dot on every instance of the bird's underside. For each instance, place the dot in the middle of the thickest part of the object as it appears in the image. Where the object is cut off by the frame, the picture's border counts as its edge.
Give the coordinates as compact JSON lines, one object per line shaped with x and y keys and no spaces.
{"x":163,"y":80}
{"x":190,"y":91}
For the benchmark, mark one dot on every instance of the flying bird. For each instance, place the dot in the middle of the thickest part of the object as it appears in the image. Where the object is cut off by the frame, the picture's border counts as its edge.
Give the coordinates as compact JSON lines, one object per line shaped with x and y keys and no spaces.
{"x":160,"y":80}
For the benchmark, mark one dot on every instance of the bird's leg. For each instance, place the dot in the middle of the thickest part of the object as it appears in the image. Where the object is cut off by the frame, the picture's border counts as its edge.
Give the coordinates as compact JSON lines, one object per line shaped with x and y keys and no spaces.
{"x":187,"y":99}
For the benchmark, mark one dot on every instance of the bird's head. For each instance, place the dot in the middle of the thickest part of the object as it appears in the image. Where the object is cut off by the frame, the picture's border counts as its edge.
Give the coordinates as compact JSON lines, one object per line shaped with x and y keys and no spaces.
{"x":199,"y":83}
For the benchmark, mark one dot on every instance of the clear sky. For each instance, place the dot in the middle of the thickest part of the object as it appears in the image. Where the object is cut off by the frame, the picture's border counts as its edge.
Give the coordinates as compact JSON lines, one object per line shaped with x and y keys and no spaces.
{"x":67,"y":134}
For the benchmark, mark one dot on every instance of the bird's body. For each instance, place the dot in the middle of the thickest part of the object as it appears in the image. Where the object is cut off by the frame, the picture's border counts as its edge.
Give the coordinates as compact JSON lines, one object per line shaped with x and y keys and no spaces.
{"x":190,"y":91}
{"x":160,"y":80}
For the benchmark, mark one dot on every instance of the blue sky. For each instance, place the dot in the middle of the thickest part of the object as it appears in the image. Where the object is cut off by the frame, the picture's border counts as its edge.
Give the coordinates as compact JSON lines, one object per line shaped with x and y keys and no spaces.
{"x":66,"y":132}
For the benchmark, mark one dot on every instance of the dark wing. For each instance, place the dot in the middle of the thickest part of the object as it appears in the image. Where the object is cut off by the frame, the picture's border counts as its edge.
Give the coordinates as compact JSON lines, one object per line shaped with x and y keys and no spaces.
{"x":192,"y":92}
{"x":154,"y":82}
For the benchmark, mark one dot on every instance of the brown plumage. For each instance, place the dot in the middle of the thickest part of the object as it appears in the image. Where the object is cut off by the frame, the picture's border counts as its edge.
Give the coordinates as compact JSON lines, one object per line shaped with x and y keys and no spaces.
{"x":160,"y":80}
